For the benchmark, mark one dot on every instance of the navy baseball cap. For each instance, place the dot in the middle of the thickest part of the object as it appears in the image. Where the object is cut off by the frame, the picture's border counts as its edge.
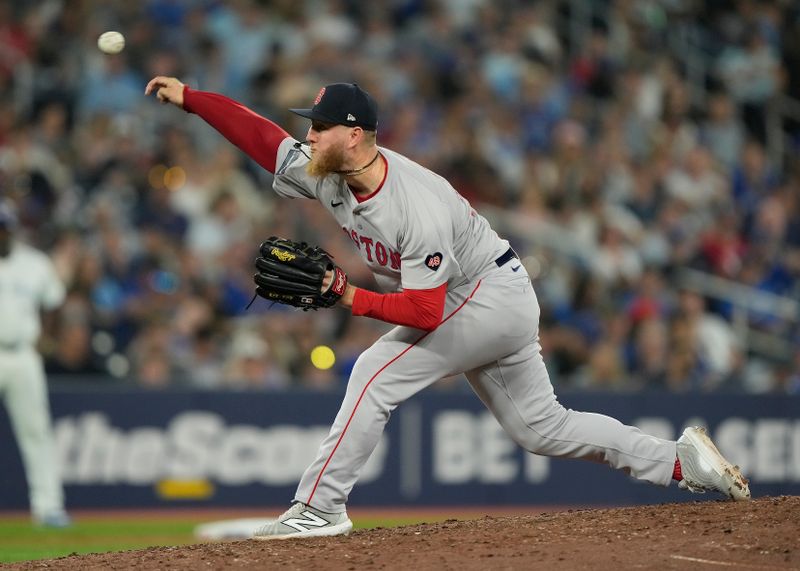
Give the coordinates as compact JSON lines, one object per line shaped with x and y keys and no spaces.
{"x":343,"y":104}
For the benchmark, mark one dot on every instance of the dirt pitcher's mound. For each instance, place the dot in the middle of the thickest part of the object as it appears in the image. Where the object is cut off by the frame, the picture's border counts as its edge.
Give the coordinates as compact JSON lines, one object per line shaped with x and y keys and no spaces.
{"x":758,"y":535}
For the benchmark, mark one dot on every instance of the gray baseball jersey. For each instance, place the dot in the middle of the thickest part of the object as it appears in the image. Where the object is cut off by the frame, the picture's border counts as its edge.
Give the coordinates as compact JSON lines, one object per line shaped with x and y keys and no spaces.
{"x":417,"y":221}
{"x":417,"y":232}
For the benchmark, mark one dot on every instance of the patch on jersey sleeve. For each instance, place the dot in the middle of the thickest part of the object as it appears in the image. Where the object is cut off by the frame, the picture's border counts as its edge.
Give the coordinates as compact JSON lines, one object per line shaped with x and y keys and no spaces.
{"x":293,"y":154}
{"x":434,"y":261}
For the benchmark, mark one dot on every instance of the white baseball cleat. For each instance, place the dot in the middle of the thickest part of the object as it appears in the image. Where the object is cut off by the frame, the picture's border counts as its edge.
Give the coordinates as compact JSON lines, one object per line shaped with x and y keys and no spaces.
{"x":704,"y":468}
{"x":301,"y":520}
{"x":55,"y":519}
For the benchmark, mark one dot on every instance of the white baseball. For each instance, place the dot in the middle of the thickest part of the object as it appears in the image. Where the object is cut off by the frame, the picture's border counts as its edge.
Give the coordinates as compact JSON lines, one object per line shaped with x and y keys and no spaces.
{"x":111,"y":42}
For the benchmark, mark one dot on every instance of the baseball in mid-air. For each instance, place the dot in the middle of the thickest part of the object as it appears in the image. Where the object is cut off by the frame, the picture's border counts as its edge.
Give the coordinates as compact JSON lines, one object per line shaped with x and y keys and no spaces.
{"x":111,"y":42}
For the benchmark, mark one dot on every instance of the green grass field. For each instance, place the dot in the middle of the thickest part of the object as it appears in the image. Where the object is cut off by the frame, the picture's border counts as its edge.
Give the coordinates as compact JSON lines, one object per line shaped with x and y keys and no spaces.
{"x":20,"y":541}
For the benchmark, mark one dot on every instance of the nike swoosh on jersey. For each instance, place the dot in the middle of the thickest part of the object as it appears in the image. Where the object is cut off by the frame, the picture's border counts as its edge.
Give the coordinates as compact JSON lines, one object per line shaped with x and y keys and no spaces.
{"x":515,"y":269}
{"x":335,"y":204}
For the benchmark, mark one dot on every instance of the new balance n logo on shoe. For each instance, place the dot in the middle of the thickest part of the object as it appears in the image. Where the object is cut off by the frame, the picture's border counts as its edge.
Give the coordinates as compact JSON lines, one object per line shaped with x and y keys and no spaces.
{"x":312,"y":520}
{"x":301,"y":520}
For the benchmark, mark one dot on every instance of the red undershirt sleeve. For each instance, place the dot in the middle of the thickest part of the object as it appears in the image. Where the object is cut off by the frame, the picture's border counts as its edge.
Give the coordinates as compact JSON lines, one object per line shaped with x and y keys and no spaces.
{"x":255,"y":135}
{"x":419,"y":308}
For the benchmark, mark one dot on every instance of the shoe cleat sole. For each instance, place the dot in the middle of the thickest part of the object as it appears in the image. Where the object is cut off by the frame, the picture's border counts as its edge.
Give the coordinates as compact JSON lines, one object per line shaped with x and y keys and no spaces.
{"x":340,"y":529}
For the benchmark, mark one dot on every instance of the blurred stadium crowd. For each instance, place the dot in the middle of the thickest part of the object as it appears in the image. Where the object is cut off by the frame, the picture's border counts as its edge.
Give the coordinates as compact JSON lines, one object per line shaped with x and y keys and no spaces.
{"x":615,"y":143}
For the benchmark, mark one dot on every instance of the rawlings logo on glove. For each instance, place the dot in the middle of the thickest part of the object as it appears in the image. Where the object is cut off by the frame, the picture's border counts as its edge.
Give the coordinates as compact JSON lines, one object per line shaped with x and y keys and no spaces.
{"x":292,"y":273}
{"x":282,"y":255}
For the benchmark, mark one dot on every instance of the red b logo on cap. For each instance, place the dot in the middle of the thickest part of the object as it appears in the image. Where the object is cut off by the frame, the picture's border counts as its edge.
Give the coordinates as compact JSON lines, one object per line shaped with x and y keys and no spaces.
{"x":319,"y":96}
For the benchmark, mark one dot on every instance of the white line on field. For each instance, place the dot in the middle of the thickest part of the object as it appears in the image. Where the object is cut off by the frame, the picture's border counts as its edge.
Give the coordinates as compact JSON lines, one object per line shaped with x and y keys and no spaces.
{"x":729,"y":563}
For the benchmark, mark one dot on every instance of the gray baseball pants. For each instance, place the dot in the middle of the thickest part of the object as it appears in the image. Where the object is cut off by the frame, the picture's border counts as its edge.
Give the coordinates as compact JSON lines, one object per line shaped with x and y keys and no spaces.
{"x":490,"y":332}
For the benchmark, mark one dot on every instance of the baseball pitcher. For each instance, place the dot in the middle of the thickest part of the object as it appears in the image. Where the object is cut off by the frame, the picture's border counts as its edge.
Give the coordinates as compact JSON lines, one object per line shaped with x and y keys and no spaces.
{"x":459,"y":295}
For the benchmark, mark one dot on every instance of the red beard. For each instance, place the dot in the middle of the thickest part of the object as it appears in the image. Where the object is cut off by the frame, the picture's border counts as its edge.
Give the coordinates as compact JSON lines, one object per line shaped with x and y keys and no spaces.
{"x":323,"y":164}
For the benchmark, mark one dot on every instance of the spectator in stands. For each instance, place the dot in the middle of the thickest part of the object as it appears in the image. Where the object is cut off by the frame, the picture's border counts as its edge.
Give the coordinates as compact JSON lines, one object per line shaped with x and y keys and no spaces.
{"x":202,"y":366}
{"x":650,"y":354}
{"x":713,"y":341}
{"x":605,"y":369}
{"x":722,"y":131}
{"x":72,"y":355}
{"x":792,"y":383}
{"x":616,"y":260}
{"x":754,"y":178}
{"x":751,"y":73}
{"x":250,"y":365}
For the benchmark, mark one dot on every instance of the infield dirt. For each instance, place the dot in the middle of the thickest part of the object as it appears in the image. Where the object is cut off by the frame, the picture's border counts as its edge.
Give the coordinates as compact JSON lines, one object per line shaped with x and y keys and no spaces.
{"x":757,"y":535}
